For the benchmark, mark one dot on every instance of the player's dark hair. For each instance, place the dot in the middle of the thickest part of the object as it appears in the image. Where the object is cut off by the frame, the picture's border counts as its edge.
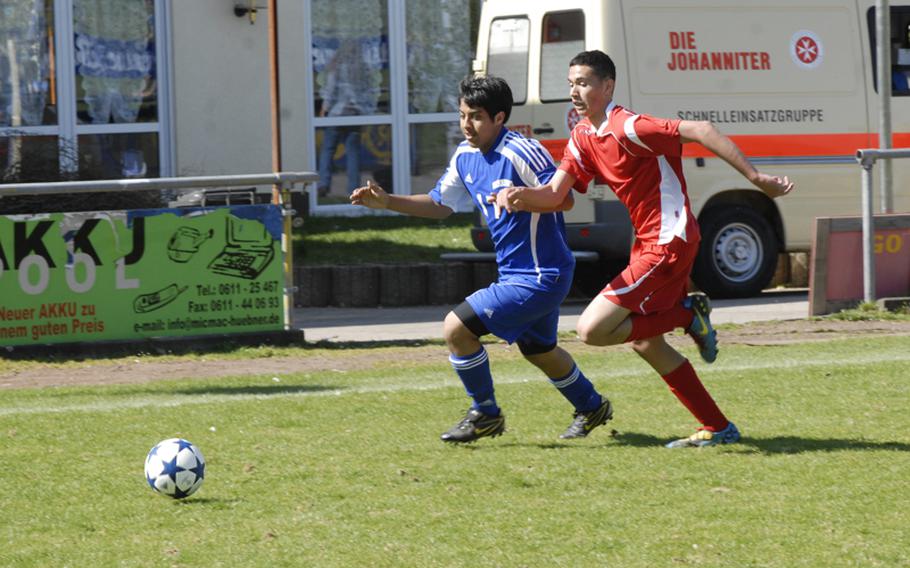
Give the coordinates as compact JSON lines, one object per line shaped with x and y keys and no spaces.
{"x":597,"y":60}
{"x":490,"y":93}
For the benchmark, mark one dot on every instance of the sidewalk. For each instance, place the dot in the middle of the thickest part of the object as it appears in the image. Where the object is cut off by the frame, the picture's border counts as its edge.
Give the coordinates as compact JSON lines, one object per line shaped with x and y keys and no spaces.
{"x":425,"y":322}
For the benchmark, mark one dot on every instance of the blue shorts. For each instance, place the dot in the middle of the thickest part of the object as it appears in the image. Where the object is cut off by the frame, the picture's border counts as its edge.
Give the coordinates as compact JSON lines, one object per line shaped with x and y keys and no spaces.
{"x":521,"y":308}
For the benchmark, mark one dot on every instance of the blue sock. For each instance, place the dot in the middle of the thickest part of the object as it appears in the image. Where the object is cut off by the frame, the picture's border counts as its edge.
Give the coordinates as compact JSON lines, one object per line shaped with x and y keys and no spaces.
{"x":474,"y":372}
{"x":578,"y":390}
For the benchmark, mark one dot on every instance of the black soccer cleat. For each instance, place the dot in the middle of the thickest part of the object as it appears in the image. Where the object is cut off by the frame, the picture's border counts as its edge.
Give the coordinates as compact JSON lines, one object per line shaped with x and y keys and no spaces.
{"x":587,"y":421}
{"x":475,"y":425}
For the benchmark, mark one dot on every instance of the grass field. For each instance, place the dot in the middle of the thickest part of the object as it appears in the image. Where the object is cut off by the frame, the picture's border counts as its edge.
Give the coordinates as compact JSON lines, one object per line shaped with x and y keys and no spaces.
{"x":344,"y":468}
{"x":382,"y":239}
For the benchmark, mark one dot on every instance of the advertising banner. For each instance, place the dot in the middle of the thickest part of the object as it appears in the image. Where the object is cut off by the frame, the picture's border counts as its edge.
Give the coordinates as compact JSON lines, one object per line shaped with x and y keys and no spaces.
{"x":113,"y":275}
{"x":836,"y":276}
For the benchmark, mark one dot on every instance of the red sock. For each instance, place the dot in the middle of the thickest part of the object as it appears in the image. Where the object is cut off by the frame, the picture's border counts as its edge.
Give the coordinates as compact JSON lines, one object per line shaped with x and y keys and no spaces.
{"x":653,"y":325}
{"x":684,"y":383}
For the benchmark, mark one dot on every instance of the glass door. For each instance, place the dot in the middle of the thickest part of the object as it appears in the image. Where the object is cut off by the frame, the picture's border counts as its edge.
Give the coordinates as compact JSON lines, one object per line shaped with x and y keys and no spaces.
{"x":352,"y":96}
{"x":441,"y":36}
{"x":385,"y":94}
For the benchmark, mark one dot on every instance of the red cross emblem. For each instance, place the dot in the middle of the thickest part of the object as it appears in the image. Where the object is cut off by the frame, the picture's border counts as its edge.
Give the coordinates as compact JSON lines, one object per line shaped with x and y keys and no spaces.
{"x":806,"y":49}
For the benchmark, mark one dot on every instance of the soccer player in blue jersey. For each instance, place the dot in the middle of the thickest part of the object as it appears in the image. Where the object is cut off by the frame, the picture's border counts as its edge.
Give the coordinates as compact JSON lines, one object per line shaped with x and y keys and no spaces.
{"x":534,"y":260}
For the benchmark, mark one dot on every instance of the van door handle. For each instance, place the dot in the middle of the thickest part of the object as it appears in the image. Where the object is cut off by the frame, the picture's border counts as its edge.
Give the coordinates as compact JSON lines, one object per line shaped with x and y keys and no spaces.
{"x":543,"y":130}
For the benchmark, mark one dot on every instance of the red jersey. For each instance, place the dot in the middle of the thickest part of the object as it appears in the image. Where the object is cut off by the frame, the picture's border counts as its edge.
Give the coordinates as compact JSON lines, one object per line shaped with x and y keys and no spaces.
{"x":640,"y":158}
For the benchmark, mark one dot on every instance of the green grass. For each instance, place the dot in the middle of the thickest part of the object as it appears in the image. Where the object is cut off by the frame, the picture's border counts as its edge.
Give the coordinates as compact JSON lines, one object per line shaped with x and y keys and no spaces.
{"x":384,"y":240}
{"x":870,"y":311}
{"x":345,"y":468}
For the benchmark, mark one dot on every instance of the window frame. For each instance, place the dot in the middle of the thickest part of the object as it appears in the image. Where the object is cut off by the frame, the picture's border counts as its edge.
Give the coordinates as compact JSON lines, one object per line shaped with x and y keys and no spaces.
{"x":903,"y":10}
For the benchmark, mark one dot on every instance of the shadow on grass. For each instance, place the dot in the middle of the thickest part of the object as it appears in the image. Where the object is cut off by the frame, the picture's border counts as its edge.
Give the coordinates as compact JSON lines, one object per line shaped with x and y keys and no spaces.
{"x":265,"y":390}
{"x":795,"y":445}
{"x":776,"y":445}
{"x":376,"y":344}
{"x":554,"y":445}
{"x":216,"y":390}
{"x":149,"y":350}
{"x":193,"y":501}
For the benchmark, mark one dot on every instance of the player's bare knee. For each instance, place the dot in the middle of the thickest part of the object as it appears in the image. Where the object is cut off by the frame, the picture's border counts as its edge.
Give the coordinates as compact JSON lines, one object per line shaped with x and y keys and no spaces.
{"x":593,"y":335}
{"x":458,"y":337}
{"x":584,"y":332}
{"x":452,"y":328}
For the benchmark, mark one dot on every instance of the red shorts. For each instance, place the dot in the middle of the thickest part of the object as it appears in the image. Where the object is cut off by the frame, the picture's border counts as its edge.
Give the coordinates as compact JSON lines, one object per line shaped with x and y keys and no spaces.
{"x":656,"y":279}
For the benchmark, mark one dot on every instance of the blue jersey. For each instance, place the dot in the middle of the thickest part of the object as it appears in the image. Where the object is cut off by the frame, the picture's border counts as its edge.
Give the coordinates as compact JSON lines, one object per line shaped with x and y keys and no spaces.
{"x":526,"y":243}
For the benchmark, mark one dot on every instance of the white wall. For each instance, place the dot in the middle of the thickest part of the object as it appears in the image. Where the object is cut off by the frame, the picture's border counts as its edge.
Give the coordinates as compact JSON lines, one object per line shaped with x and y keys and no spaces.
{"x":296,"y":102}
{"x":221,"y":88}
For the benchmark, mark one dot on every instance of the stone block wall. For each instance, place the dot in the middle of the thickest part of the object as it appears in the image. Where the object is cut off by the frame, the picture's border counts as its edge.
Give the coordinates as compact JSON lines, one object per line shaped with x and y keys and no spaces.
{"x":390,"y":285}
{"x":393,"y":285}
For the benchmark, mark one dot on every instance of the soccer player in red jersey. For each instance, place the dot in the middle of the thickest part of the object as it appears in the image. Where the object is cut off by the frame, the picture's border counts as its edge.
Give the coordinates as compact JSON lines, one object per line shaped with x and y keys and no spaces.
{"x":640,"y":157}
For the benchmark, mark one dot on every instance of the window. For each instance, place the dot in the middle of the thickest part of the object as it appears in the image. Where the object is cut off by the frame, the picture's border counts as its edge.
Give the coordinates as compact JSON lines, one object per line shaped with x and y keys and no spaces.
{"x":87,"y":78}
{"x":115,"y":61}
{"x":563,"y":38}
{"x":900,"y":49}
{"x":385,"y":90}
{"x":352,"y":80}
{"x":28,"y":94}
{"x":441,"y":39}
{"x":507,"y":55}
{"x":440,"y":42}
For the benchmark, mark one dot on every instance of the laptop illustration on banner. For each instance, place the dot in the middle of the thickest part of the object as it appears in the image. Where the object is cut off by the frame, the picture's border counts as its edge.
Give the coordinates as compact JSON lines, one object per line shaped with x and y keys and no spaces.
{"x":249,"y":250}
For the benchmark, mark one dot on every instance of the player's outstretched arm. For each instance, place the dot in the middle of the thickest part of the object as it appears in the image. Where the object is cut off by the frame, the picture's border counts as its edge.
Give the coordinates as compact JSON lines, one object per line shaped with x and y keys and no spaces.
{"x":554,"y":196}
{"x":708,"y":136}
{"x":374,"y":197}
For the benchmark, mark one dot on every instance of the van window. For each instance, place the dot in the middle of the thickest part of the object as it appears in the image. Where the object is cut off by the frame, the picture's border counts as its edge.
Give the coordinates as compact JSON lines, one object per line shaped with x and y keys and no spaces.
{"x":508,"y":54}
{"x":563,"y":38}
{"x":900,"y":49}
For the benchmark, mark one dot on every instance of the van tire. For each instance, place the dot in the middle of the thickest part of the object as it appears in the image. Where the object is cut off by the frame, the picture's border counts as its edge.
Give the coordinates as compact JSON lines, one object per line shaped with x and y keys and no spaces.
{"x":738,"y":253}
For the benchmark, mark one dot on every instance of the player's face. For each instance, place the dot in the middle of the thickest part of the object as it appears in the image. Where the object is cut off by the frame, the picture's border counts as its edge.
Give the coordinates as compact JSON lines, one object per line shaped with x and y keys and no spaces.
{"x":590,"y":94}
{"x":478,"y":128}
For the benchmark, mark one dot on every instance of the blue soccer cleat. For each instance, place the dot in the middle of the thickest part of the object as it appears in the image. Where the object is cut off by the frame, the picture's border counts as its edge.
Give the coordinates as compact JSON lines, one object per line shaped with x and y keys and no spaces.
{"x":701,"y":330}
{"x":702,"y":438}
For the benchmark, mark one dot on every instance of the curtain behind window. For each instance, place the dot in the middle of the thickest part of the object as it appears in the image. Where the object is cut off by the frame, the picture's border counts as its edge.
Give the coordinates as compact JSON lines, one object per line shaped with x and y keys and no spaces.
{"x":24,"y":62}
{"x":115,"y":60}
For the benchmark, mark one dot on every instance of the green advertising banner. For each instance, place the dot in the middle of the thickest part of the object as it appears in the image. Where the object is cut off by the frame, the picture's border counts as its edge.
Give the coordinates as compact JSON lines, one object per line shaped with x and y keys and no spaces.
{"x":76,"y":277}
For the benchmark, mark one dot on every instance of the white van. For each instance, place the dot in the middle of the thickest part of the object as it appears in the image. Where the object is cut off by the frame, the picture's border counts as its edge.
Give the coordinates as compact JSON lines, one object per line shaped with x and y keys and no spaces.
{"x":792,"y":83}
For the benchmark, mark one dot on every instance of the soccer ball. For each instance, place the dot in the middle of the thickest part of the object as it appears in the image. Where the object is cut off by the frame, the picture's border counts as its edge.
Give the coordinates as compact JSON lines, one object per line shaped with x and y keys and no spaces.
{"x":175,"y":467}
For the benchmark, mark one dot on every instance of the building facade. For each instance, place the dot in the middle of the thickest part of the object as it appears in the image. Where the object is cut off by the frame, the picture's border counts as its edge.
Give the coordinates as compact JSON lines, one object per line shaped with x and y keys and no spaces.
{"x":107,"y":89}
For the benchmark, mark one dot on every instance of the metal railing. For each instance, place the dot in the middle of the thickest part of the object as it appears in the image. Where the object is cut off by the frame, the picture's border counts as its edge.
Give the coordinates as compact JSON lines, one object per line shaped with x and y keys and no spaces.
{"x":283,"y":182}
{"x":867,"y":158}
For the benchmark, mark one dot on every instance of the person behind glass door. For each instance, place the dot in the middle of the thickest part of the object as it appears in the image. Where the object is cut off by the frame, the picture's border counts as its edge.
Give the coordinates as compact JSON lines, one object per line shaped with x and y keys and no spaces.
{"x":344,"y":93}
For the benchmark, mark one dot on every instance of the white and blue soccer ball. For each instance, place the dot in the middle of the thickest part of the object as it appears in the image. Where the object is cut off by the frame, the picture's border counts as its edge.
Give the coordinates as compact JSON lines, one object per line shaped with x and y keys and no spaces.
{"x":175,"y":467}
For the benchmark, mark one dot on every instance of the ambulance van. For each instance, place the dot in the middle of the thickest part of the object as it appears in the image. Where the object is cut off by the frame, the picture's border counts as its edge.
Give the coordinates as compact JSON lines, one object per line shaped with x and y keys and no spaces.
{"x":792,"y":83}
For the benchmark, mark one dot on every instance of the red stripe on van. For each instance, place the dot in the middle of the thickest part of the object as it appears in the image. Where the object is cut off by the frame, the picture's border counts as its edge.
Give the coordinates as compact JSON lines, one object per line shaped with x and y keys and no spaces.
{"x":778,"y":145}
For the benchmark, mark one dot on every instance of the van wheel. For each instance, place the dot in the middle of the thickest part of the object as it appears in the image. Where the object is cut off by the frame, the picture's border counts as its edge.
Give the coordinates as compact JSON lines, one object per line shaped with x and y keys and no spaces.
{"x":738,"y":253}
